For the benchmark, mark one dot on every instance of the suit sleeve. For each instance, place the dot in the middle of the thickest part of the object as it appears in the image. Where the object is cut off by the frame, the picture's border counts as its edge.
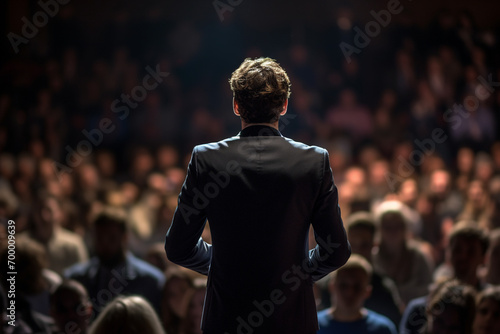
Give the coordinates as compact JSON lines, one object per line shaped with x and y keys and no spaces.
{"x":332,"y":249}
{"x":183,"y":242}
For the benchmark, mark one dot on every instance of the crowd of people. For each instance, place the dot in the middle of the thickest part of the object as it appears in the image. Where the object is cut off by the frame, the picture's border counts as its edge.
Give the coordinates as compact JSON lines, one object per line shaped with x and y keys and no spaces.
{"x":92,"y":162}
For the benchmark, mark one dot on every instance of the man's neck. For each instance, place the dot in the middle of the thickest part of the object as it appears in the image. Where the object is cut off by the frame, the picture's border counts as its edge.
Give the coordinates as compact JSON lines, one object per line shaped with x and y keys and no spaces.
{"x":347,"y":315}
{"x":113,"y":261}
{"x":273,"y":125}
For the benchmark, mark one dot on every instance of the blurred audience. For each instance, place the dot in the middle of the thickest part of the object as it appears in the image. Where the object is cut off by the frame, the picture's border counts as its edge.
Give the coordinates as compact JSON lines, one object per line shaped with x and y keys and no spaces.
{"x":411,"y":125}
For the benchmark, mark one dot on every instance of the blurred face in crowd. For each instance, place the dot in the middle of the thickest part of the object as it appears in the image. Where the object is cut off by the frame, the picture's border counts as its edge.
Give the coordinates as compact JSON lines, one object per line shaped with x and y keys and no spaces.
{"x":350,"y":288}
{"x":110,"y":241}
{"x":487,"y":319}
{"x":48,"y":216}
{"x":466,"y":256}
{"x":465,"y":160}
{"x":476,"y":195}
{"x":71,"y":312}
{"x":195,"y":311}
{"x":176,"y":289}
{"x":361,"y":240}
{"x":408,"y":193}
{"x":393,"y":231}
{"x":446,"y":321}
{"x":440,"y":183}
{"x":356,"y":176}
{"x":378,"y":173}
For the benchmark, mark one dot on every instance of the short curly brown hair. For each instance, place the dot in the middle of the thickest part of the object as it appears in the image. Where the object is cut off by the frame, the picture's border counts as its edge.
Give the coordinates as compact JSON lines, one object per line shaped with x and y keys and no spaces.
{"x":260,"y":87}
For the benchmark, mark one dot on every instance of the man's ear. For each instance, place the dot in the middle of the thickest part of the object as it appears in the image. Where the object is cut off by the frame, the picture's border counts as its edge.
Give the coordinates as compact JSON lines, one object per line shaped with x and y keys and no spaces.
{"x":235,"y":107}
{"x":285,"y":107}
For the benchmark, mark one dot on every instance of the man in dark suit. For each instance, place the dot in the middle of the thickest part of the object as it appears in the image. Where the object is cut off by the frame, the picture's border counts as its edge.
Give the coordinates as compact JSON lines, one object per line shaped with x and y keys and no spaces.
{"x":260,"y":192}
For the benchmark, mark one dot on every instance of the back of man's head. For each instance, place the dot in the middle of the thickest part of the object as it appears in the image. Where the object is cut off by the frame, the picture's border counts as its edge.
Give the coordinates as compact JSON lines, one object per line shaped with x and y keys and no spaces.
{"x":466,"y":251}
{"x":261,"y":88}
{"x":361,"y":231}
{"x":110,"y":235}
{"x":471,"y":232}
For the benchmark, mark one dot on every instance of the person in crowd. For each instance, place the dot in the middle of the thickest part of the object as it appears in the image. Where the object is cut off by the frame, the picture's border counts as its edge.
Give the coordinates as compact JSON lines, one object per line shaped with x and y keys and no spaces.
{"x":465,"y":254}
{"x":384,"y":297}
{"x":487,"y":318}
{"x":191,"y":324}
{"x":350,"y":287}
{"x":451,"y":309}
{"x":114,"y":270}
{"x":397,"y":257}
{"x":70,"y":307}
{"x":175,"y":300}
{"x":477,"y":206}
{"x":63,"y":248}
{"x":32,"y":287}
{"x":127,"y":315}
{"x":441,"y":192}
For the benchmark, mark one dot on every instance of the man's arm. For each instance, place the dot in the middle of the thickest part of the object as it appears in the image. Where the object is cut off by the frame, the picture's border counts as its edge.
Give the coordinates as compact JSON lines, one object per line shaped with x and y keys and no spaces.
{"x":332,"y":249}
{"x":183,"y":242}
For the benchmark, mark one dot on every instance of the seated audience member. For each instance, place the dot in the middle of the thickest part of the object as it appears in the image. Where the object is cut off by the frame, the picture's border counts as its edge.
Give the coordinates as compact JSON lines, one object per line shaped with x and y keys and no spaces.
{"x":64,"y":248}
{"x":194,"y":313}
{"x":447,"y":201}
{"x":70,"y":307}
{"x":492,"y":274}
{"x":477,"y":205}
{"x":114,"y":270}
{"x":487,"y":319}
{"x":384,"y":297}
{"x":465,"y":253}
{"x":127,"y":315}
{"x":397,"y":257}
{"x":31,"y":288}
{"x":175,"y":300}
{"x":350,"y":287}
{"x":451,"y":309}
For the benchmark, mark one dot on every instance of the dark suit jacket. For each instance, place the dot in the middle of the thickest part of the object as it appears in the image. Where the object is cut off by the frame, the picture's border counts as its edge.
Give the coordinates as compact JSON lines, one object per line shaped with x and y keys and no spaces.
{"x":260,"y":192}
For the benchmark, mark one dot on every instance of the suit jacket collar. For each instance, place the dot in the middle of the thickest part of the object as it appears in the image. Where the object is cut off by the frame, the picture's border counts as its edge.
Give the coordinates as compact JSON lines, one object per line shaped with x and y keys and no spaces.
{"x":259,"y":130}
